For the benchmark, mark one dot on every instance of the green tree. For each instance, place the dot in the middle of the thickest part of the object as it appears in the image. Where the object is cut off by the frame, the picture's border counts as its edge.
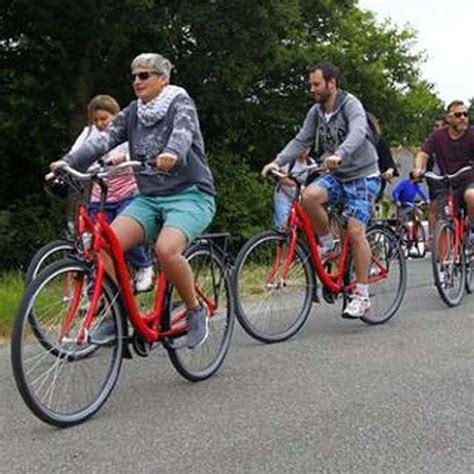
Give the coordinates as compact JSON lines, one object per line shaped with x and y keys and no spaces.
{"x":244,"y":62}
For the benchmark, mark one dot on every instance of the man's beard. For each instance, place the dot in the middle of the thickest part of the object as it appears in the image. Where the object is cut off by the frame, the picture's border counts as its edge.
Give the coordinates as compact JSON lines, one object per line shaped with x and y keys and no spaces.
{"x":322,"y":98}
{"x":461,"y":127}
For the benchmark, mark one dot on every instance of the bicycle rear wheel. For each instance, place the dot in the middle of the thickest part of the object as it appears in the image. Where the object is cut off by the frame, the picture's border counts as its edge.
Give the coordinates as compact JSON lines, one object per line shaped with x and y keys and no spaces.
{"x":49,"y":253}
{"x":405,"y":240}
{"x":387,"y":275}
{"x":269,"y":308}
{"x":64,"y":382}
{"x":420,"y":240}
{"x":213,"y":289}
{"x":449,"y":269}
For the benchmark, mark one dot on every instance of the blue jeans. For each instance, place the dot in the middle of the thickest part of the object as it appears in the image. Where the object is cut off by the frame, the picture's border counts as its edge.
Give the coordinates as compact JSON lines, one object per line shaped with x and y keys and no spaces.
{"x":281,"y":209}
{"x":137,"y":256}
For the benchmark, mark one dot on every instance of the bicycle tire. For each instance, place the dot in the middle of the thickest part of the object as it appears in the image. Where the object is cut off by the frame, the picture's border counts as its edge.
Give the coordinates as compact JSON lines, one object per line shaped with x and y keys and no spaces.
{"x":56,"y":248}
{"x":469,"y":260}
{"x":386,"y":295}
{"x":278,"y":321}
{"x":69,"y":399}
{"x":212,"y":277}
{"x":449,"y":274}
{"x":405,"y":241}
{"x":420,"y":243}
{"x":43,"y":256}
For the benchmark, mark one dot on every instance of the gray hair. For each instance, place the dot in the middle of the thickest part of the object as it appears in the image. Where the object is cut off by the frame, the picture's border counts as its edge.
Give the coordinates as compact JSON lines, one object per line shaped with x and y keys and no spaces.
{"x":156,"y":62}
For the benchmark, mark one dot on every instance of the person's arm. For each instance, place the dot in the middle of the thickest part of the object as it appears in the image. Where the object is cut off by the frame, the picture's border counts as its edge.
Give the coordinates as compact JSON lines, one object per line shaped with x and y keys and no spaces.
{"x":357,"y":123}
{"x":185,"y":124}
{"x":98,"y":144}
{"x":421,"y":159}
{"x":396,"y":192}
{"x":387,"y":165}
{"x":426,"y":152}
{"x":302,"y":141}
{"x":420,"y":191}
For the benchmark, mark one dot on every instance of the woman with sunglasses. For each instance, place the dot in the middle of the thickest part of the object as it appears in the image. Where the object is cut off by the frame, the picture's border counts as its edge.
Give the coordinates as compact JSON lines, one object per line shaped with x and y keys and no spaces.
{"x":451,"y":148}
{"x":162,"y":125}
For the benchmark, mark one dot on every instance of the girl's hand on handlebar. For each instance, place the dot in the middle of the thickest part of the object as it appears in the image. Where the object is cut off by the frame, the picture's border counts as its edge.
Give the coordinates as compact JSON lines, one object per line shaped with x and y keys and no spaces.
{"x":165,"y":161}
{"x":115,"y":159}
{"x":55,"y":165}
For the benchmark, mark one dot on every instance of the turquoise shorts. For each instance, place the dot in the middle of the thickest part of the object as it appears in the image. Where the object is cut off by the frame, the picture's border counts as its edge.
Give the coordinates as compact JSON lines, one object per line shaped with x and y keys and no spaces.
{"x":191,"y":211}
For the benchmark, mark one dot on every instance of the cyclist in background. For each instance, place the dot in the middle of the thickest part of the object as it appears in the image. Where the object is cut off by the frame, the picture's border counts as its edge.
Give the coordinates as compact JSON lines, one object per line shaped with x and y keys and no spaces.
{"x":162,"y":126}
{"x":451,"y":148}
{"x":433,"y":188}
{"x":286,"y":189}
{"x":404,"y":195}
{"x":337,"y":125}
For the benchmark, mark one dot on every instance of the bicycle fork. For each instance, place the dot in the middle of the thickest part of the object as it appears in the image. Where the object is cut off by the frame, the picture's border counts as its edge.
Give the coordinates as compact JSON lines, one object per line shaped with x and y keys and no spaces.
{"x":82,"y":337}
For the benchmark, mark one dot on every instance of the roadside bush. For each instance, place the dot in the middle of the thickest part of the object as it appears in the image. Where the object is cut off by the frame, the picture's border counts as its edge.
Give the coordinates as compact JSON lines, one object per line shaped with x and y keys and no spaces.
{"x":244,"y":198}
{"x":25,"y":226}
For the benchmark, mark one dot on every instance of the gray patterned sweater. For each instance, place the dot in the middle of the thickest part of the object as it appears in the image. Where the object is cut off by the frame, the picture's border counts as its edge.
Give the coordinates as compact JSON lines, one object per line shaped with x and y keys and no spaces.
{"x":176,"y":130}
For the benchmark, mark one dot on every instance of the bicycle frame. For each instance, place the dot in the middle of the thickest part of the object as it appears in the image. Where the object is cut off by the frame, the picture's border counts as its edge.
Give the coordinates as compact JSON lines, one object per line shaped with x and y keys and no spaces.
{"x":334,"y":282}
{"x":412,"y":222}
{"x":96,"y":238}
{"x":455,"y":216}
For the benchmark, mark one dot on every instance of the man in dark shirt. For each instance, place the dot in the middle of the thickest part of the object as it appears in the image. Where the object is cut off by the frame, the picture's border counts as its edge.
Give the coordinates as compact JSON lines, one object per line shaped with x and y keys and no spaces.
{"x":451,"y":148}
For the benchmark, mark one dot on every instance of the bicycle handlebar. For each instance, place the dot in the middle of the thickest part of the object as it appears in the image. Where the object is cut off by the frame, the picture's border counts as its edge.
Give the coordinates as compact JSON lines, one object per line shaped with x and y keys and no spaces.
{"x":102,"y":170}
{"x":294,"y":174}
{"x":437,"y":177}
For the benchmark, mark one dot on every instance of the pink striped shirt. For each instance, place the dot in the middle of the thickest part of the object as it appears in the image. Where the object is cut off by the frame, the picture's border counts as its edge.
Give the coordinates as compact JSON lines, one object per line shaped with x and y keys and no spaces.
{"x":121,"y":185}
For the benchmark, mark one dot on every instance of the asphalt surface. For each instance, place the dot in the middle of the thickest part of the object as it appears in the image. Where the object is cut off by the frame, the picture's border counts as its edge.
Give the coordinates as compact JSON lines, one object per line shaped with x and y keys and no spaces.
{"x":340,"y":397}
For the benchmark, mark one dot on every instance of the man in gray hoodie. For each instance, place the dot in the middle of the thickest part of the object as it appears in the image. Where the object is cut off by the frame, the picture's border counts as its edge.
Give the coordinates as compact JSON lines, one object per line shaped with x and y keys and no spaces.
{"x":336,"y":126}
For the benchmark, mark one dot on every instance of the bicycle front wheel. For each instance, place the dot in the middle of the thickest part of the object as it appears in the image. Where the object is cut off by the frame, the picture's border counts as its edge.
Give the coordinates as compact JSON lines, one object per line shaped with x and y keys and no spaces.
{"x":469,"y":261}
{"x":448,"y":264}
{"x":65,"y":381}
{"x":387,"y":275}
{"x":213,"y":289}
{"x":269,"y":307}
{"x":49,"y":253}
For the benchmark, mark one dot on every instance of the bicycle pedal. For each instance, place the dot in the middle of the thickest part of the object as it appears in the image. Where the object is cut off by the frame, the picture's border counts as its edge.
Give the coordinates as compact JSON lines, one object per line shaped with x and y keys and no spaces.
{"x":141,"y":346}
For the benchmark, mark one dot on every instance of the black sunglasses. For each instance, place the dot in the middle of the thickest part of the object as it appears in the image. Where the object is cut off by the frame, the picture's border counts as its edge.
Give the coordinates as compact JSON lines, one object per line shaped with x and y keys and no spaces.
{"x":460,"y":114}
{"x":143,"y":76}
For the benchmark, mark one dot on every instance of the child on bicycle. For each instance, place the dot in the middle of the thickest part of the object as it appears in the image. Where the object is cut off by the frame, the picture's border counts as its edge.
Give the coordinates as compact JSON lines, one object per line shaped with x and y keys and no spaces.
{"x":404,"y":195}
{"x":285,"y":189}
{"x":122,"y":186}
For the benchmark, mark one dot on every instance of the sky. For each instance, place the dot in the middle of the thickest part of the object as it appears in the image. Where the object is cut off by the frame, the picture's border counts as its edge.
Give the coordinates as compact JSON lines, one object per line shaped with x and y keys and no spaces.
{"x":444,"y":33}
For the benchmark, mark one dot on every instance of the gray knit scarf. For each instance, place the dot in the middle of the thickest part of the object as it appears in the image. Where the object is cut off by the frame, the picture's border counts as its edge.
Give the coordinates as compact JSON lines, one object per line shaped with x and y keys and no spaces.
{"x":151,"y":112}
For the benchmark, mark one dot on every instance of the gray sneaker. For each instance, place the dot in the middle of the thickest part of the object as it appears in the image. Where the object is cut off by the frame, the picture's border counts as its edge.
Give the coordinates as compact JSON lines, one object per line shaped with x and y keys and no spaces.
{"x":198,"y":326}
{"x":104,"y":333}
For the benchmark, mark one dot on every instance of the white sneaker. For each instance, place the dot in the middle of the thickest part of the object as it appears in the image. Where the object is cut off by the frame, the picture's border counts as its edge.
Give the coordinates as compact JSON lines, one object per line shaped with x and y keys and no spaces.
{"x":357,"y":307}
{"x":144,"y":279}
{"x":444,"y":278}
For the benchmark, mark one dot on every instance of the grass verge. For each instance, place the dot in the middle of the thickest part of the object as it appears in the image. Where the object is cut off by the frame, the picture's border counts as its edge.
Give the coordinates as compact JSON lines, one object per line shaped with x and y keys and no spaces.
{"x":11,"y":291}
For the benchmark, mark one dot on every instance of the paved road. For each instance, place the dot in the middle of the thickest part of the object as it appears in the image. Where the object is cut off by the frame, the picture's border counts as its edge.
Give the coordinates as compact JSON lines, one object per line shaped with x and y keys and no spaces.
{"x":341,"y":397}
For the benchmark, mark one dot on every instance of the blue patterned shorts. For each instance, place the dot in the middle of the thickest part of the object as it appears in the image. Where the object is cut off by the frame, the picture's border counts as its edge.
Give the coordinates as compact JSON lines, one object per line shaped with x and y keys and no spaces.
{"x":357,"y":195}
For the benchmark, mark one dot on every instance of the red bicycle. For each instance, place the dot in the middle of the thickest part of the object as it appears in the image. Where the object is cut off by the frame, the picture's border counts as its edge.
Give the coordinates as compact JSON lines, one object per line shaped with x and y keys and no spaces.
{"x":275,"y":275}
{"x":452,"y":254}
{"x":410,"y":230}
{"x":63,"y":370}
